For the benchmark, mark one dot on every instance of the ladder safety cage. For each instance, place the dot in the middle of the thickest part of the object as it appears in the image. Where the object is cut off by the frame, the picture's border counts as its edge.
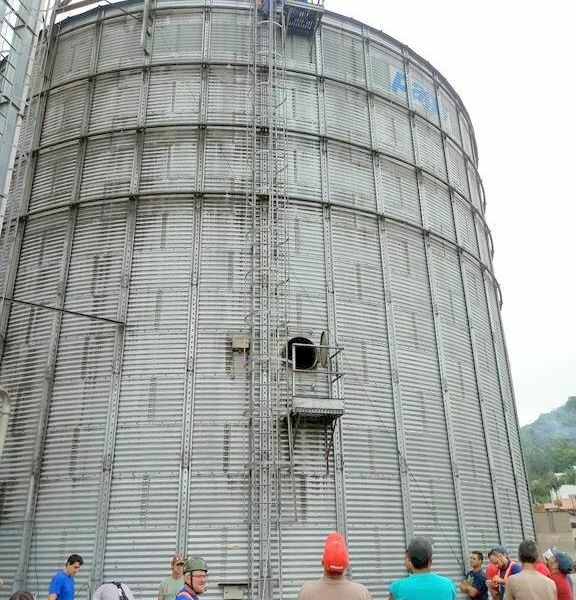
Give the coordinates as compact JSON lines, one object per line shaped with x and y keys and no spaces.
{"x":267,"y":291}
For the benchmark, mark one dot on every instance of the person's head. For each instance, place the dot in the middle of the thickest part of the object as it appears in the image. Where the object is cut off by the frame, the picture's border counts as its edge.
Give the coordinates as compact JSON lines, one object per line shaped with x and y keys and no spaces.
{"x":195,"y":573}
{"x":501,"y":553}
{"x":22,"y":595}
{"x":560,"y":562}
{"x":418,"y":554}
{"x":73,"y":564}
{"x":492,"y":556}
{"x":335,"y":559}
{"x":476,"y":559}
{"x":178,"y":565}
{"x":528,"y":552}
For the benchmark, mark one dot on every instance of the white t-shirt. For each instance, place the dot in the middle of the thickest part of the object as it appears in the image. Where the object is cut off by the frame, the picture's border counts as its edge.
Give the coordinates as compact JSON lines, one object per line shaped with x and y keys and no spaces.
{"x":110,"y":591}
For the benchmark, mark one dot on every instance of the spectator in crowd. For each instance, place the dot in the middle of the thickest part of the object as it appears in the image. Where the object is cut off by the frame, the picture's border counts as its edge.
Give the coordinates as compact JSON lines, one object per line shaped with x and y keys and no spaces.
{"x":529,"y":584}
{"x":506,"y":568}
{"x":475,"y":583}
{"x":491,"y":570}
{"x":561,"y":565}
{"x":22,"y":596}
{"x":333,"y":585}
{"x":421,"y":583}
{"x":171,"y":585}
{"x":62,"y":584}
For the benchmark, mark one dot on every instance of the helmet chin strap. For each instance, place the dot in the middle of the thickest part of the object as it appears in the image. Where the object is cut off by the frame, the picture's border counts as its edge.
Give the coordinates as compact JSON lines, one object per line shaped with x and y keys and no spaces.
{"x":191,"y":586}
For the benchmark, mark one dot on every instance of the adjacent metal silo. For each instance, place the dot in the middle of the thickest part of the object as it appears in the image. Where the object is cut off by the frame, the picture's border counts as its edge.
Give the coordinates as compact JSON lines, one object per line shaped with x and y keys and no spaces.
{"x":249,"y":300}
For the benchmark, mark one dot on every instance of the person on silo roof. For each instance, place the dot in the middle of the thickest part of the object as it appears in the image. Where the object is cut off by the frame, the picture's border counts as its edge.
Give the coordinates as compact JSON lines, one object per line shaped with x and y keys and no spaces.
{"x":421,"y":583}
{"x":333,"y":585}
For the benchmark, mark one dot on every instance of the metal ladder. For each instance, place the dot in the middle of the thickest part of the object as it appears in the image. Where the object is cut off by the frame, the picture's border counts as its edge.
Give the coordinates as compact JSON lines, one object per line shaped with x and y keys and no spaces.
{"x":267,"y":222}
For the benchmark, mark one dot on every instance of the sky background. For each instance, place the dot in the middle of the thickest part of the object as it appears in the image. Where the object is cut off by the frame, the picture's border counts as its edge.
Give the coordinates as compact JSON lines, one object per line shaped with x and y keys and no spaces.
{"x":512,"y":63}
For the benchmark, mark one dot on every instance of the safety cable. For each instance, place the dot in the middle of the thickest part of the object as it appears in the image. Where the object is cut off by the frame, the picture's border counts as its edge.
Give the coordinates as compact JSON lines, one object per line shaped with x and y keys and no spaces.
{"x":62,"y":310}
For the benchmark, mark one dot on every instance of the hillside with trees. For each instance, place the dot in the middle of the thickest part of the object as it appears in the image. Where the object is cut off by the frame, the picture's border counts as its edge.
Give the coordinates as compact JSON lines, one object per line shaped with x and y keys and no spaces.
{"x":550,"y":448}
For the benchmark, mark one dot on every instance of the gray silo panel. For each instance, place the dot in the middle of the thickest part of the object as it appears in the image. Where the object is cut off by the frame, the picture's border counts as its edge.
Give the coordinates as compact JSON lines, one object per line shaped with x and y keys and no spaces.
{"x":137,"y":215}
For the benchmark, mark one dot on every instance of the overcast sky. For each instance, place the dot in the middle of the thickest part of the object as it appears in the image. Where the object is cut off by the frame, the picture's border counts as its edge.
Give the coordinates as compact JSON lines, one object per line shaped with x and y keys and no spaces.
{"x":512,"y":63}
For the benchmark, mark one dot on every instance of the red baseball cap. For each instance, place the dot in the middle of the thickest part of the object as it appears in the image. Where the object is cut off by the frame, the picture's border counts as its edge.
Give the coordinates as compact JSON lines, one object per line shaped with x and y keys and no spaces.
{"x":335,"y":559}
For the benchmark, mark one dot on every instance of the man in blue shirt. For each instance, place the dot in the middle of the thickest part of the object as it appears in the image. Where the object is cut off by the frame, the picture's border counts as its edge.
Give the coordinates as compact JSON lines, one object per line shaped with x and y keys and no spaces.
{"x":62,"y":584}
{"x":475,"y":583}
{"x":421,"y":583}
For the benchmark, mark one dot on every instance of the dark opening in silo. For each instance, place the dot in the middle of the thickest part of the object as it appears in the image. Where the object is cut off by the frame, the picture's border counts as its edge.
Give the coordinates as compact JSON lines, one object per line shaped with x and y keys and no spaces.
{"x":302,"y":353}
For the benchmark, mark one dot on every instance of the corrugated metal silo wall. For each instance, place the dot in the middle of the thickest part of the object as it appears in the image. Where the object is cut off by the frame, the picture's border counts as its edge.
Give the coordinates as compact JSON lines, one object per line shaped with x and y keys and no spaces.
{"x":135,"y":214}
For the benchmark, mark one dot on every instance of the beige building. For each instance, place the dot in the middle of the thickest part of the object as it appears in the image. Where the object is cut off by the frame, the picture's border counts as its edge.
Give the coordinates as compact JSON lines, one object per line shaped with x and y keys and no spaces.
{"x":556,"y":527}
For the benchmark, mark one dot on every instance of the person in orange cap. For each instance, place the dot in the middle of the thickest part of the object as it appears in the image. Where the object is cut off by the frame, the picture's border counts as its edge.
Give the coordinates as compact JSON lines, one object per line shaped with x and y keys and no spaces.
{"x":333,"y":585}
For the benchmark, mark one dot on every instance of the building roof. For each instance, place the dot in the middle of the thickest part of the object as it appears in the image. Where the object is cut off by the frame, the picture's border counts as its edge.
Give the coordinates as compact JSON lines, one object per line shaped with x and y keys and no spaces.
{"x":567,"y":504}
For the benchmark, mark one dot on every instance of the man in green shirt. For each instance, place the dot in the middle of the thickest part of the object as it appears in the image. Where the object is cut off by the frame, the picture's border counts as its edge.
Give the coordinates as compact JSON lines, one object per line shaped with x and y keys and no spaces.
{"x":171,"y":585}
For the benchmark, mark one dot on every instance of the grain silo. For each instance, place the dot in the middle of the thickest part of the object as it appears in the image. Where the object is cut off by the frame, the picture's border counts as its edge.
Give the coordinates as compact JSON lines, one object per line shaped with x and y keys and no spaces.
{"x":249,"y":300}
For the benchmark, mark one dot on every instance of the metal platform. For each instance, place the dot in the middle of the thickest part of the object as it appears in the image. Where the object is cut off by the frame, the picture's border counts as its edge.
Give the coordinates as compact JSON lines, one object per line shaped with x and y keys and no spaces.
{"x":303,"y":15}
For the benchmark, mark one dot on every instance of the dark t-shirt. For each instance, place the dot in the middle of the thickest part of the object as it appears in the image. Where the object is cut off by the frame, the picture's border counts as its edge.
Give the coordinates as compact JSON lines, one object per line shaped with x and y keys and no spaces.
{"x":477,"y":579}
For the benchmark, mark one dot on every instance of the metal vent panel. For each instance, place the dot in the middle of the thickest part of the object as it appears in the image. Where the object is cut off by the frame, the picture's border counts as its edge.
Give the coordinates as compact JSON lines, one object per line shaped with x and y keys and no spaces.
{"x":346,"y":113}
{"x":392,"y":130}
{"x":449,"y":115}
{"x":301,"y":52}
{"x":228,"y":39}
{"x":178,"y":35}
{"x":351,"y":176}
{"x":343,"y":56}
{"x":116,"y":101}
{"x":65,"y":108}
{"x":466,"y":230}
{"x":422,"y":92}
{"x":302,"y":103}
{"x":54,"y":177}
{"x":40,"y":260}
{"x":457,"y":169}
{"x":120,"y":43}
{"x":95,"y":272}
{"x":388,"y":74}
{"x":429,"y":150}
{"x":169,"y":161}
{"x":475,"y":188}
{"x":31,"y":112}
{"x":227,"y":92}
{"x":465,"y":130}
{"x":98,"y":178}
{"x":173,"y":95}
{"x":74,"y":56}
{"x":226,"y":162}
{"x":303,"y":173}
{"x":400,"y":191}
{"x":439,"y":211}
